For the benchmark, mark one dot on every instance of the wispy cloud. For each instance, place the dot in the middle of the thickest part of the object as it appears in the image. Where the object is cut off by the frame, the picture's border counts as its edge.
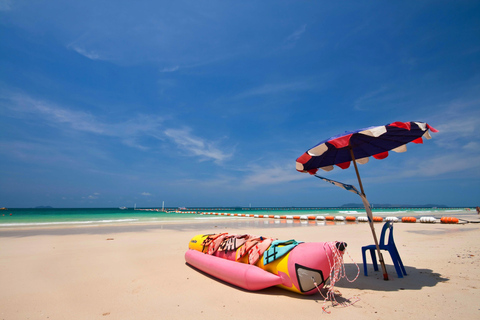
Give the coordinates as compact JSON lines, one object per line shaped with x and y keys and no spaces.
{"x":439,"y":166}
{"x":275,"y":88}
{"x":452,"y":132}
{"x":275,"y":174}
{"x":92,"y":55}
{"x":196,"y":145}
{"x":130,"y":132}
{"x":458,"y":125}
{"x":372,"y":99}
{"x":170,"y":69}
{"x":147,"y":194}
{"x":5,"y":5}
{"x":296,"y":34}
{"x":50,"y":113}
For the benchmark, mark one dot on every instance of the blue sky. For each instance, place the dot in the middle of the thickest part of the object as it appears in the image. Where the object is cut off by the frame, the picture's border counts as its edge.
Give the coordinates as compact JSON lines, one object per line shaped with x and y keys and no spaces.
{"x":209,"y":103}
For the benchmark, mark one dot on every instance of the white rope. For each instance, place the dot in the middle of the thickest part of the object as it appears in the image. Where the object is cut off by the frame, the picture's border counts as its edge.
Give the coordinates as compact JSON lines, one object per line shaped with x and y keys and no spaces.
{"x":337,"y":272}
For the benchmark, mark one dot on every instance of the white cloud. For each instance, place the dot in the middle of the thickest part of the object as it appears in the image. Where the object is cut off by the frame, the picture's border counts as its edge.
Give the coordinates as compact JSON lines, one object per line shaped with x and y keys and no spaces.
{"x":146,"y":194}
{"x":297,"y":34}
{"x":276,"y":174}
{"x":472,"y":146}
{"x":170,"y":69}
{"x":5,"y":5}
{"x":89,"y":54}
{"x":196,"y":145}
{"x":458,"y":126}
{"x":373,"y":98}
{"x":94,"y":195}
{"x":130,"y":132}
{"x":452,"y":130}
{"x":438,"y":166}
{"x":275,"y":88}
{"x":53,"y":114}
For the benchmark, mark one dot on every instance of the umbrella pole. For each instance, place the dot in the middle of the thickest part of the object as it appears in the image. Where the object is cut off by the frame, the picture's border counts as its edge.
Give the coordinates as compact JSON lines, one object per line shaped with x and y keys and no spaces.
{"x":370,"y":217}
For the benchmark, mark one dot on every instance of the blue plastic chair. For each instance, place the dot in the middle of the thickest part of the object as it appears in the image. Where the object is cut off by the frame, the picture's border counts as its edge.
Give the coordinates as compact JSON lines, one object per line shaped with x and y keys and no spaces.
{"x":390,"y":247}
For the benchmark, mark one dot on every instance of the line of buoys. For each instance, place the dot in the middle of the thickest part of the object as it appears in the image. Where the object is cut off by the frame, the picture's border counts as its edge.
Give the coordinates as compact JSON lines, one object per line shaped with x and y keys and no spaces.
{"x":448,"y":220}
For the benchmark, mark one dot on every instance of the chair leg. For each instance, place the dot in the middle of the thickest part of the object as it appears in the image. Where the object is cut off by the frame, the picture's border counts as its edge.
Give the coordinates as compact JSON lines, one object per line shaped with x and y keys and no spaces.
{"x":399,"y":260}
{"x":374,"y":259}
{"x":364,"y":262}
{"x":395,"y":260}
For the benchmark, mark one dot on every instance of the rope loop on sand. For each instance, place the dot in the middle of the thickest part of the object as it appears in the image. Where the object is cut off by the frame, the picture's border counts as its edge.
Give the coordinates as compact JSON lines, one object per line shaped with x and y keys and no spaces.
{"x":337,"y":272}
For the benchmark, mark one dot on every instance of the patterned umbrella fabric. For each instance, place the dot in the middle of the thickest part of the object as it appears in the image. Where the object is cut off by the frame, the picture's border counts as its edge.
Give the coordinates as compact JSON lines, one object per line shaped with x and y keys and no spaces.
{"x":359,"y":146}
{"x":372,"y":141}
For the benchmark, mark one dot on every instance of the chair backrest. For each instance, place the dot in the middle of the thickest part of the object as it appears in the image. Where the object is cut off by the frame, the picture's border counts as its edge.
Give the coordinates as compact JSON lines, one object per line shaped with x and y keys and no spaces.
{"x":386,"y":226}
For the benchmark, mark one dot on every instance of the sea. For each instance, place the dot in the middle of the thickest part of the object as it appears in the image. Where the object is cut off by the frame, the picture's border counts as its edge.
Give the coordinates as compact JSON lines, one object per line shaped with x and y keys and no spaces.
{"x":50,"y":217}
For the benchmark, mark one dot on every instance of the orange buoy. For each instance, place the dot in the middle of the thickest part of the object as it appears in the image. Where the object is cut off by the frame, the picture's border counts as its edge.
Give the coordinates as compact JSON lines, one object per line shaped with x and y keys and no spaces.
{"x":271,"y":216}
{"x":260,"y":216}
{"x":409,"y":219}
{"x":296,"y":217}
{"x":312,"y":217}
{"x":448,"y":220}
{"x":283,"y":217}
{"x":350,"y":218}
{"x":377,"y":219}
{"x":330,"y":218}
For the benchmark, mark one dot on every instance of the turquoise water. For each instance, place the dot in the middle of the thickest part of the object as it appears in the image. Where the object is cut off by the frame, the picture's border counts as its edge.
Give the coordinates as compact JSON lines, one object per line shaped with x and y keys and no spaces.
{"x":104,"y":216}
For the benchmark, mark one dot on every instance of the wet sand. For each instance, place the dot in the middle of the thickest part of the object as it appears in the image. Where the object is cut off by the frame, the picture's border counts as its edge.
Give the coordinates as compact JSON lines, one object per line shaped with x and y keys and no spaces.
{"x":139,"y":272}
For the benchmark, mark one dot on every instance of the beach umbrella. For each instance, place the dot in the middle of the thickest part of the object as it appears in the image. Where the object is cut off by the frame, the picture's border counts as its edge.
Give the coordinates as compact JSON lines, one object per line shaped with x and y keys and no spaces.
{"x":357,"y":147}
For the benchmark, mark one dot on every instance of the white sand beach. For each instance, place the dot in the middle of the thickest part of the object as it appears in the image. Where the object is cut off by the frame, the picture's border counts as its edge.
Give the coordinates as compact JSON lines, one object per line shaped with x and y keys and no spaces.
{"x":140,"y":273}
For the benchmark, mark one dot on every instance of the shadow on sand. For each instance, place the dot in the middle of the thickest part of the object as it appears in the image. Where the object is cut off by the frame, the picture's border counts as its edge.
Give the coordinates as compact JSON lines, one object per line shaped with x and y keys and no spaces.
{"x":415,"y":279}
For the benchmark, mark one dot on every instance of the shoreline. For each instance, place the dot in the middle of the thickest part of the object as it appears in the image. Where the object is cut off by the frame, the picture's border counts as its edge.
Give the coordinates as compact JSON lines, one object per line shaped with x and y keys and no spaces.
{"x":209,"y":221}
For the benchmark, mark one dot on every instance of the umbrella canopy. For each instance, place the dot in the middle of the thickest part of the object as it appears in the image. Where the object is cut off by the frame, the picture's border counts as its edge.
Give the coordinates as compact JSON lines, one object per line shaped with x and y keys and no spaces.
{"x":358,"y":146}
{"x":367,"y":142}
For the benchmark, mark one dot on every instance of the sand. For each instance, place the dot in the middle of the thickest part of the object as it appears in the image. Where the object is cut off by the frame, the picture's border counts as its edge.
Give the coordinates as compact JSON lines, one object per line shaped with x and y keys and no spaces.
{"x":139,"y":272}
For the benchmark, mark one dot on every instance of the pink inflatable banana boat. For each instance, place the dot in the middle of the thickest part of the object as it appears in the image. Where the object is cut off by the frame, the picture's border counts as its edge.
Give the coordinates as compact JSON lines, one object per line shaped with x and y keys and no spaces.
{"x":256,"y":263}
